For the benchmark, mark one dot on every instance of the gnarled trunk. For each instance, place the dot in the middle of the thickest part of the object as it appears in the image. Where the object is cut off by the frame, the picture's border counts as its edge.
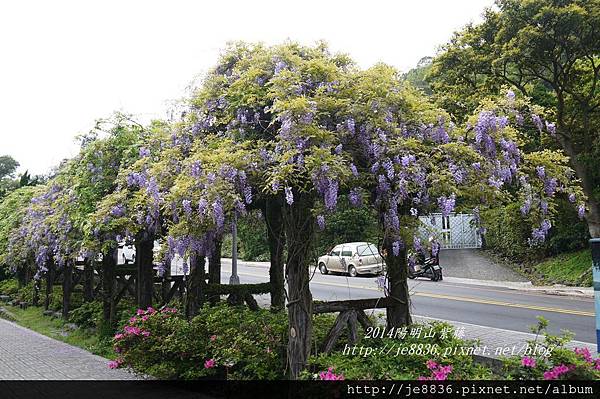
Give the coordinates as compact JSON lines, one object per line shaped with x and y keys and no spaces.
{"x":144,"y":257}
{"x":50,"y":273}
{"x":299,"y":228}
{"x":397,"y":270}
{"x":214,"y":268}
{"x":194,"y":298}
{"x":276,"y":237}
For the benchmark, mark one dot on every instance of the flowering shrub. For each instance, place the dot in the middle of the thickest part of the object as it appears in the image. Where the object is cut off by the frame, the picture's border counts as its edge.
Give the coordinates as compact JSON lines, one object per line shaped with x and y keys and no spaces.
{"x":329,"y":375}
{"x":552,"y":360}
{"x":220,"y":342}
{"x":418,"y":362}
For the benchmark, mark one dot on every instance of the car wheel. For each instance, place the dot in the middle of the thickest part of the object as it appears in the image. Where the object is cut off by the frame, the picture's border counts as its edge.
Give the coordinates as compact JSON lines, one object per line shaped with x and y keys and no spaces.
{"x":352,"y":271}
{"x":323,"y":268}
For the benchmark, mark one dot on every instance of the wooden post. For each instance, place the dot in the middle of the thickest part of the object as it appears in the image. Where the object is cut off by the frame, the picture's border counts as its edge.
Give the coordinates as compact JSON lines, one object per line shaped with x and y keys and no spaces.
{"x":276,"y":237}
{"x":145,"y":273}
{"x":299,"y":228}
{"x":109,"y":263}
{"x":88,"y":279}
{"x":49,"y":283}
{"x":67,"y":288}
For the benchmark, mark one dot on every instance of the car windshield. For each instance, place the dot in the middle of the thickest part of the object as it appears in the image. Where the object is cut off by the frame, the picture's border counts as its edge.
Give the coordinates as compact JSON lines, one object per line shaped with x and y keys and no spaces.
{"x":367,"y":250}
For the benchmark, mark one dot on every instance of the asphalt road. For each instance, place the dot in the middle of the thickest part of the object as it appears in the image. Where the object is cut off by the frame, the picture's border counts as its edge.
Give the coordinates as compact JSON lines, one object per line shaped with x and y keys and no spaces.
{"x":481,"y":305}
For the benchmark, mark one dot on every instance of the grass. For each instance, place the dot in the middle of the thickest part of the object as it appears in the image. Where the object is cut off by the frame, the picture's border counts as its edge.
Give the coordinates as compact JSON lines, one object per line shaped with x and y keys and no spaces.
{"x":33,"y":318}
{"x":574,"y":268}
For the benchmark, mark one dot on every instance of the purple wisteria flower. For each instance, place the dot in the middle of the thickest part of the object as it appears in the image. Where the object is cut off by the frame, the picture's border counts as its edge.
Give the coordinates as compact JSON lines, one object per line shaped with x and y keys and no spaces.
{"x":541,"y":172}
{"x":551,"y":127}
{"x":581,"y":211}
{"x":144,"y":152}
{"x":355,"y":197}
{"x":446,"y":204}
{"x":510,"y":95}
{"x":353,"y":169}
{"x":526,"y":207}
{"x":537,"y":121}
{"x":218,"y":214}
{"x":396,"y":246}
{"x":572,"y":198}
{"x":321,"y":222}
{"x":289,"y":196}
{"x":187,"y":206}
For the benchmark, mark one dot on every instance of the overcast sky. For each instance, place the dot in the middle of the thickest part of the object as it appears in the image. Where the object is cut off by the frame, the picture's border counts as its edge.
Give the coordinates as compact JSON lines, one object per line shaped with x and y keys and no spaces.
{"x":64,"y":64}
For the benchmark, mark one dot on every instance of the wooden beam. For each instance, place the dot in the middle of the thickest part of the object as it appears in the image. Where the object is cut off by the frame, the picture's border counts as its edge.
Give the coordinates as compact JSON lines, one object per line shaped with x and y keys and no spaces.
{"x":354,"y":304}
{"x":340,"y":323}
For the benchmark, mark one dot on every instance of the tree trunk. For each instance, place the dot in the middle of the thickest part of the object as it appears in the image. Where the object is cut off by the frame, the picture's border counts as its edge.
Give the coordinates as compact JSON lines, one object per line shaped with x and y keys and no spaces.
{"x":593,"y":215}
{"x":214,"y":268}
{"x":67,"y":287}
{"x":144,"y":245}
{"x":276,"y":236}
{"x":398,"y":314}
{"x":88,"y":279}
{"x":109,"y":263}
{"x":299,"y":228}
{"x":195,"y":283}
{"x":49,"y":283}
{"x":214,"y":263}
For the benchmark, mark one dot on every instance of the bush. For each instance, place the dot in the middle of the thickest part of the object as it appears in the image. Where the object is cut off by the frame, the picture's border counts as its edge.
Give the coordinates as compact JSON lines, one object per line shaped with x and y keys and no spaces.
{"x":9,"y":287}
{"x":427,"y":358}
{"x":88,"y":315}
{"x":551,"y":360}
{"x":220,"y":342}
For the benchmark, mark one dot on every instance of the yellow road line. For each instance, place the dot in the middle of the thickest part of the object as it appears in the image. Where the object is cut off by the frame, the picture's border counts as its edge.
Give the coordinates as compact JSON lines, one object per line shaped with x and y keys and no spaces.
{"x":458,"y":298}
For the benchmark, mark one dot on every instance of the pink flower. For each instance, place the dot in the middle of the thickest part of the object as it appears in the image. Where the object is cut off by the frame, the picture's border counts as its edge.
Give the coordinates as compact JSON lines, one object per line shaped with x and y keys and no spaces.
{"x":132,"y":330}
{"x":146,"y":333}
{"x":132,"y":320}
{"x":597,"y":367}
{"x":329,"y":375}
{"x":151,"y":310}
{"x":550,"y":375}
{"x":213,"y":337}
{"x":431,"y":364}
{"x":557,"y":371}
{"x":209,"y":364}
{"x":114,"y":364}
{"x":528,"y":362}
{"x":145,"y":317}
{"x":421,"y":378}
{"x":585,"y":353}
{"x":140,"y":312}
{"x":446,"y":369}
{"x":119,"y":336}
{"x":439,"y":375}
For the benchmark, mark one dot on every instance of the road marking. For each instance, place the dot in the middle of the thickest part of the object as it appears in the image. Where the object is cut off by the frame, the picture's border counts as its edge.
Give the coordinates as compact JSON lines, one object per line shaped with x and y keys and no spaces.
{"x":458,"y":298}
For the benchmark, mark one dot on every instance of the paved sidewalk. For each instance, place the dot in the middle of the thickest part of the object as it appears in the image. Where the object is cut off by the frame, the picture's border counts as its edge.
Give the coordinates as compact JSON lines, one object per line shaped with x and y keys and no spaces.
{"x":28,"y":355}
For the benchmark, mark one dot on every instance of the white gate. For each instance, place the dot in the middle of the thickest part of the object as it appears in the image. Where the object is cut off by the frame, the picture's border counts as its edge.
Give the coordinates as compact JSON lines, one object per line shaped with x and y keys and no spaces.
{"x":455,"y":231}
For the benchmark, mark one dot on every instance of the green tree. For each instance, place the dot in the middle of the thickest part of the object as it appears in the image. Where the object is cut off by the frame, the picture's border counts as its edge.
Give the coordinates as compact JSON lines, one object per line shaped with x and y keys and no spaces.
{"x":550,"y":51}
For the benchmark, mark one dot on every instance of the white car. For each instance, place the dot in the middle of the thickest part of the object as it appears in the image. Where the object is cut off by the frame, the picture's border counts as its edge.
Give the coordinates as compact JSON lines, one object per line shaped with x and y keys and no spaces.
{"x":126,"y":253}
{"x":353,"y":258}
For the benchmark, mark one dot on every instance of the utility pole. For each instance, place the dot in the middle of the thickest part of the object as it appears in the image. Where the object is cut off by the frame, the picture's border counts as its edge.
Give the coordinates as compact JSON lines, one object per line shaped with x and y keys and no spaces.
{"x":595,"y":244}
{"x":234,"y":279}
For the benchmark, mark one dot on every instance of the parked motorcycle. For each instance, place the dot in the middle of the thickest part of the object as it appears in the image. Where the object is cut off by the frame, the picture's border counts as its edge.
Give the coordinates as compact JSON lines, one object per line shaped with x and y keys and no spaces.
{"x":426,"y":267}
